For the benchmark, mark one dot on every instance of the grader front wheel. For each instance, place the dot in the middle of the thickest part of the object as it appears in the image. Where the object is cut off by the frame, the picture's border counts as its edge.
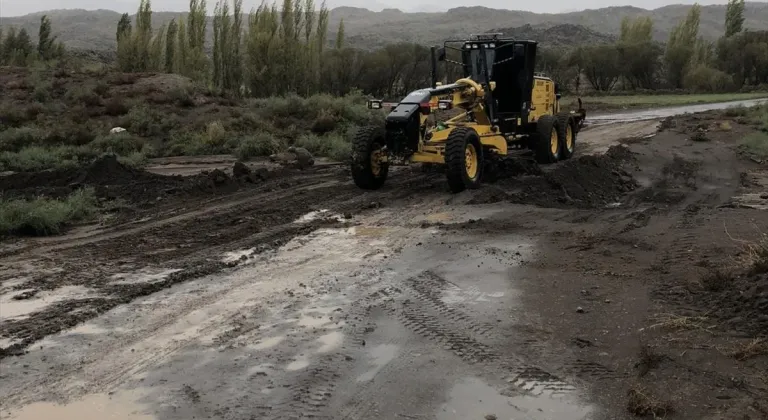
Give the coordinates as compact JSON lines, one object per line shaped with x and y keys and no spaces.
{"x":369,"y":165}
{"x":463,"y":159}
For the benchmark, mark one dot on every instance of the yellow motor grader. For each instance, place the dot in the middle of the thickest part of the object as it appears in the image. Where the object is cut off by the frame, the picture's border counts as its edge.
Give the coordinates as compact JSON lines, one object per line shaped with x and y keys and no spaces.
{"x":502,"y":108}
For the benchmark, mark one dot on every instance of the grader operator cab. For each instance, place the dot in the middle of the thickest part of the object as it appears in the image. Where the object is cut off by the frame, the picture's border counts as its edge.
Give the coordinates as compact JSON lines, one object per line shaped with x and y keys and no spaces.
{"x":500,"y":108}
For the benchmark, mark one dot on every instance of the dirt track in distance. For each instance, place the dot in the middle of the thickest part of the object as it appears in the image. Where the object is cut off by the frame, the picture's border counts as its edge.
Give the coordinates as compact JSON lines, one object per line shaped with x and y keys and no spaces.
{"x":581,"y":290}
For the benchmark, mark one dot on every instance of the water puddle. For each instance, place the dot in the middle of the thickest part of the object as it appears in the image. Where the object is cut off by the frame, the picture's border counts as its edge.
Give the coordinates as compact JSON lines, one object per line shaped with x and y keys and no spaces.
{"x":15,"y":309}
{"x":118,"y":406}
{"x":661,"y":113}
{"x":146,"y":275}
{"x":320,"y":214}
{"x":298,"y":364}
{"x":330,"y":341}
{"x":474,"y":399}
{"x":380,"y":356}
{"x":233,"y":256}
{"x":268,"y":343}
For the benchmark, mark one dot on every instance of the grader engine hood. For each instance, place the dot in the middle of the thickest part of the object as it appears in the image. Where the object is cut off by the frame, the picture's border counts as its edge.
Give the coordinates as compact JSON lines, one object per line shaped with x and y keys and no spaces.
{"x":404,"y":122}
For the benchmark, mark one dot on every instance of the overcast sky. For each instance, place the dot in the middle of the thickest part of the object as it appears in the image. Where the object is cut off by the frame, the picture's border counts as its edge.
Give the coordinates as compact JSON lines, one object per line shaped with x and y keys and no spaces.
{"x":22,"y":7}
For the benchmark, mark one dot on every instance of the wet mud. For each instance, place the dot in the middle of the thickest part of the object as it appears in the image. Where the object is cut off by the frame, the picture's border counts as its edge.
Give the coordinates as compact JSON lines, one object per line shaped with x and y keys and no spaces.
{"x":581,"y":290}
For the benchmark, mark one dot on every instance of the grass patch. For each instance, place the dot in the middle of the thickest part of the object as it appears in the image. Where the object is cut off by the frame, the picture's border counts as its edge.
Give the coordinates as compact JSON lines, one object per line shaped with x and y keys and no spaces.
{"x":642,"y":403}
{"x":333,"y":146}
{"x":45,"y":216}
{"x":657,"y":101}
{"x":38,"y":158}
{"x":755,"y":145}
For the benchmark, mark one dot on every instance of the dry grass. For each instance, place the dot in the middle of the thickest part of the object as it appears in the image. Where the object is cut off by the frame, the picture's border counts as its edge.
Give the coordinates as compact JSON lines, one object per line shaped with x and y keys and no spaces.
{"x":755,"y":348}
{"x":642,"y":403}
{"x":718,"y":279}
{"x":678,"y":322}
{"x":649,"y":360}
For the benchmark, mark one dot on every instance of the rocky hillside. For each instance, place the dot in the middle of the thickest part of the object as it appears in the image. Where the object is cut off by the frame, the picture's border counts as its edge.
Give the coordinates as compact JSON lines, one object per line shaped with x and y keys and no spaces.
{"x":558,"y":35}
{"x":367,"y":29}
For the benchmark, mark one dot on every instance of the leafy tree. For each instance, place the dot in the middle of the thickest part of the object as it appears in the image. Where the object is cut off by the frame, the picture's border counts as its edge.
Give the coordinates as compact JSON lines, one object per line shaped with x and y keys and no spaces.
{"x":681,"y":46}
{"x":170,"y":46}
{"x":601,"y":64}
{"x":734,"y":17}
{"x":123,"y":27}
{"x":46,"y":47}
{"x":340,"y":35}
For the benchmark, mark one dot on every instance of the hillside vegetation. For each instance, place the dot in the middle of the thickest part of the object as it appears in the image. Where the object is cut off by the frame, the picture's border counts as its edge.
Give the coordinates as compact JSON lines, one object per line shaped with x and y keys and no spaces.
{"x":367,"y":29}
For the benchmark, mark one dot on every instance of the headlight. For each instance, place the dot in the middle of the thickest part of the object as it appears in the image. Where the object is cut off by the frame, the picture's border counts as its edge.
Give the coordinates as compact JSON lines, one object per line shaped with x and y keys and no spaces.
{"x":444,"y":105}
{"x":374,"y":104}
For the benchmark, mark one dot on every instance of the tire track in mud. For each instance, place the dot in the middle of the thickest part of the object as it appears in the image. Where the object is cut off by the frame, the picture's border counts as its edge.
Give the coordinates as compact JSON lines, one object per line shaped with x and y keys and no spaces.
{"x":457,"y":332}
{"x":310,"y":393}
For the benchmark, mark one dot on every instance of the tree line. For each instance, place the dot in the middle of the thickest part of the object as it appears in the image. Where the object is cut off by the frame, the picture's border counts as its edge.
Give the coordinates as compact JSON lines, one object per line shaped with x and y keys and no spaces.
{"x":17,"y":48}
{"x":687,"y":61}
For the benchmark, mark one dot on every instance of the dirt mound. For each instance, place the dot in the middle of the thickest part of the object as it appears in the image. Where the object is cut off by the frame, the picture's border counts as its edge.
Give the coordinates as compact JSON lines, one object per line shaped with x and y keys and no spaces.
{"x":743,"y":306}
{"x":591,"y":181}
{"x":112,"y":179}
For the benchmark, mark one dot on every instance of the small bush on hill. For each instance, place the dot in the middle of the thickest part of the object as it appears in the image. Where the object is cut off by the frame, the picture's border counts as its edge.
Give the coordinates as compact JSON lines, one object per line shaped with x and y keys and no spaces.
{"x":122,"y":144}
{"x":115,"y":107}
{"x":44,"y":216}
{"x":146,"y":122}
{"x":261,"y":144}
{"x":333,"y":146}
{"x":15,"y":139}
{"x":84,"y":95}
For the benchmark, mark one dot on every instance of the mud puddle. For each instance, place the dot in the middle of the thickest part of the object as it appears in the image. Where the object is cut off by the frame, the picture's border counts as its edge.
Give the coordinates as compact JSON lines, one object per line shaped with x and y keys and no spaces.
{"x":114,"y":406}
{"x":472,"y":398}
{"x":20,"y":304}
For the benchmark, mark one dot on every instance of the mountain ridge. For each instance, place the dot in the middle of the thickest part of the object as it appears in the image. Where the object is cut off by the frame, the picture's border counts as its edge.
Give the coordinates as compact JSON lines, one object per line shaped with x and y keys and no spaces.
{"x":95,"y":29}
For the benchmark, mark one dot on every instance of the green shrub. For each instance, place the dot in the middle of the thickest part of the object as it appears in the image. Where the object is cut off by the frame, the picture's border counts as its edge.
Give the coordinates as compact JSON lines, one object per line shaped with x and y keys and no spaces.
{"x":45,"y":216}
{"x":215,"y":134}
{"x":756,"y":144}
{"x":184,"y":96}
{"x":84,"y":95}
{"x":137,"y":159}
{"x":333,"y":146}
{"x":70,"y":133}
{"x":15,"y":139}
{"x":42,"y":92}
{"x":189,"y":143}
{"x":707,"y":79}
{"x":324,"y":123}
{"x":736,"y":111}
{"x":123,"y":144}
{"x":261,"y":144}
{"x":146,"y":122}
{"x":116,"y":107}
{"x":13,"y":115}
{"x":37,"y":158}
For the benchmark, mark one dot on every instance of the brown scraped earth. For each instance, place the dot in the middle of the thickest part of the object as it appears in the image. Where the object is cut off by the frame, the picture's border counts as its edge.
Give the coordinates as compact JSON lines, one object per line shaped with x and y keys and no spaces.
{"x":623,"y":283}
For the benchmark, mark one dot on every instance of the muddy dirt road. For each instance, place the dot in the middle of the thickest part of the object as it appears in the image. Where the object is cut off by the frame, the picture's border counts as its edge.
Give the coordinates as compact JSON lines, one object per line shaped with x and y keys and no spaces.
{"x":575,"y":292}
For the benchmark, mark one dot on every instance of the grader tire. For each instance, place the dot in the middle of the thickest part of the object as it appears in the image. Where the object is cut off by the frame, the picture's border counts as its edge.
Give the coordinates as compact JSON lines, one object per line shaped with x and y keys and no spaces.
{"x":367,"y":172}
{"x":547,"y":144}
{"x":463,"y":159}
{"x":569,"y":132}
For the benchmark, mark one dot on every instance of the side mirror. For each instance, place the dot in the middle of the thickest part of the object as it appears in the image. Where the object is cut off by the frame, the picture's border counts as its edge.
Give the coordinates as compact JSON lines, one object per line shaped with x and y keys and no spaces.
{"x":441,"y":54}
